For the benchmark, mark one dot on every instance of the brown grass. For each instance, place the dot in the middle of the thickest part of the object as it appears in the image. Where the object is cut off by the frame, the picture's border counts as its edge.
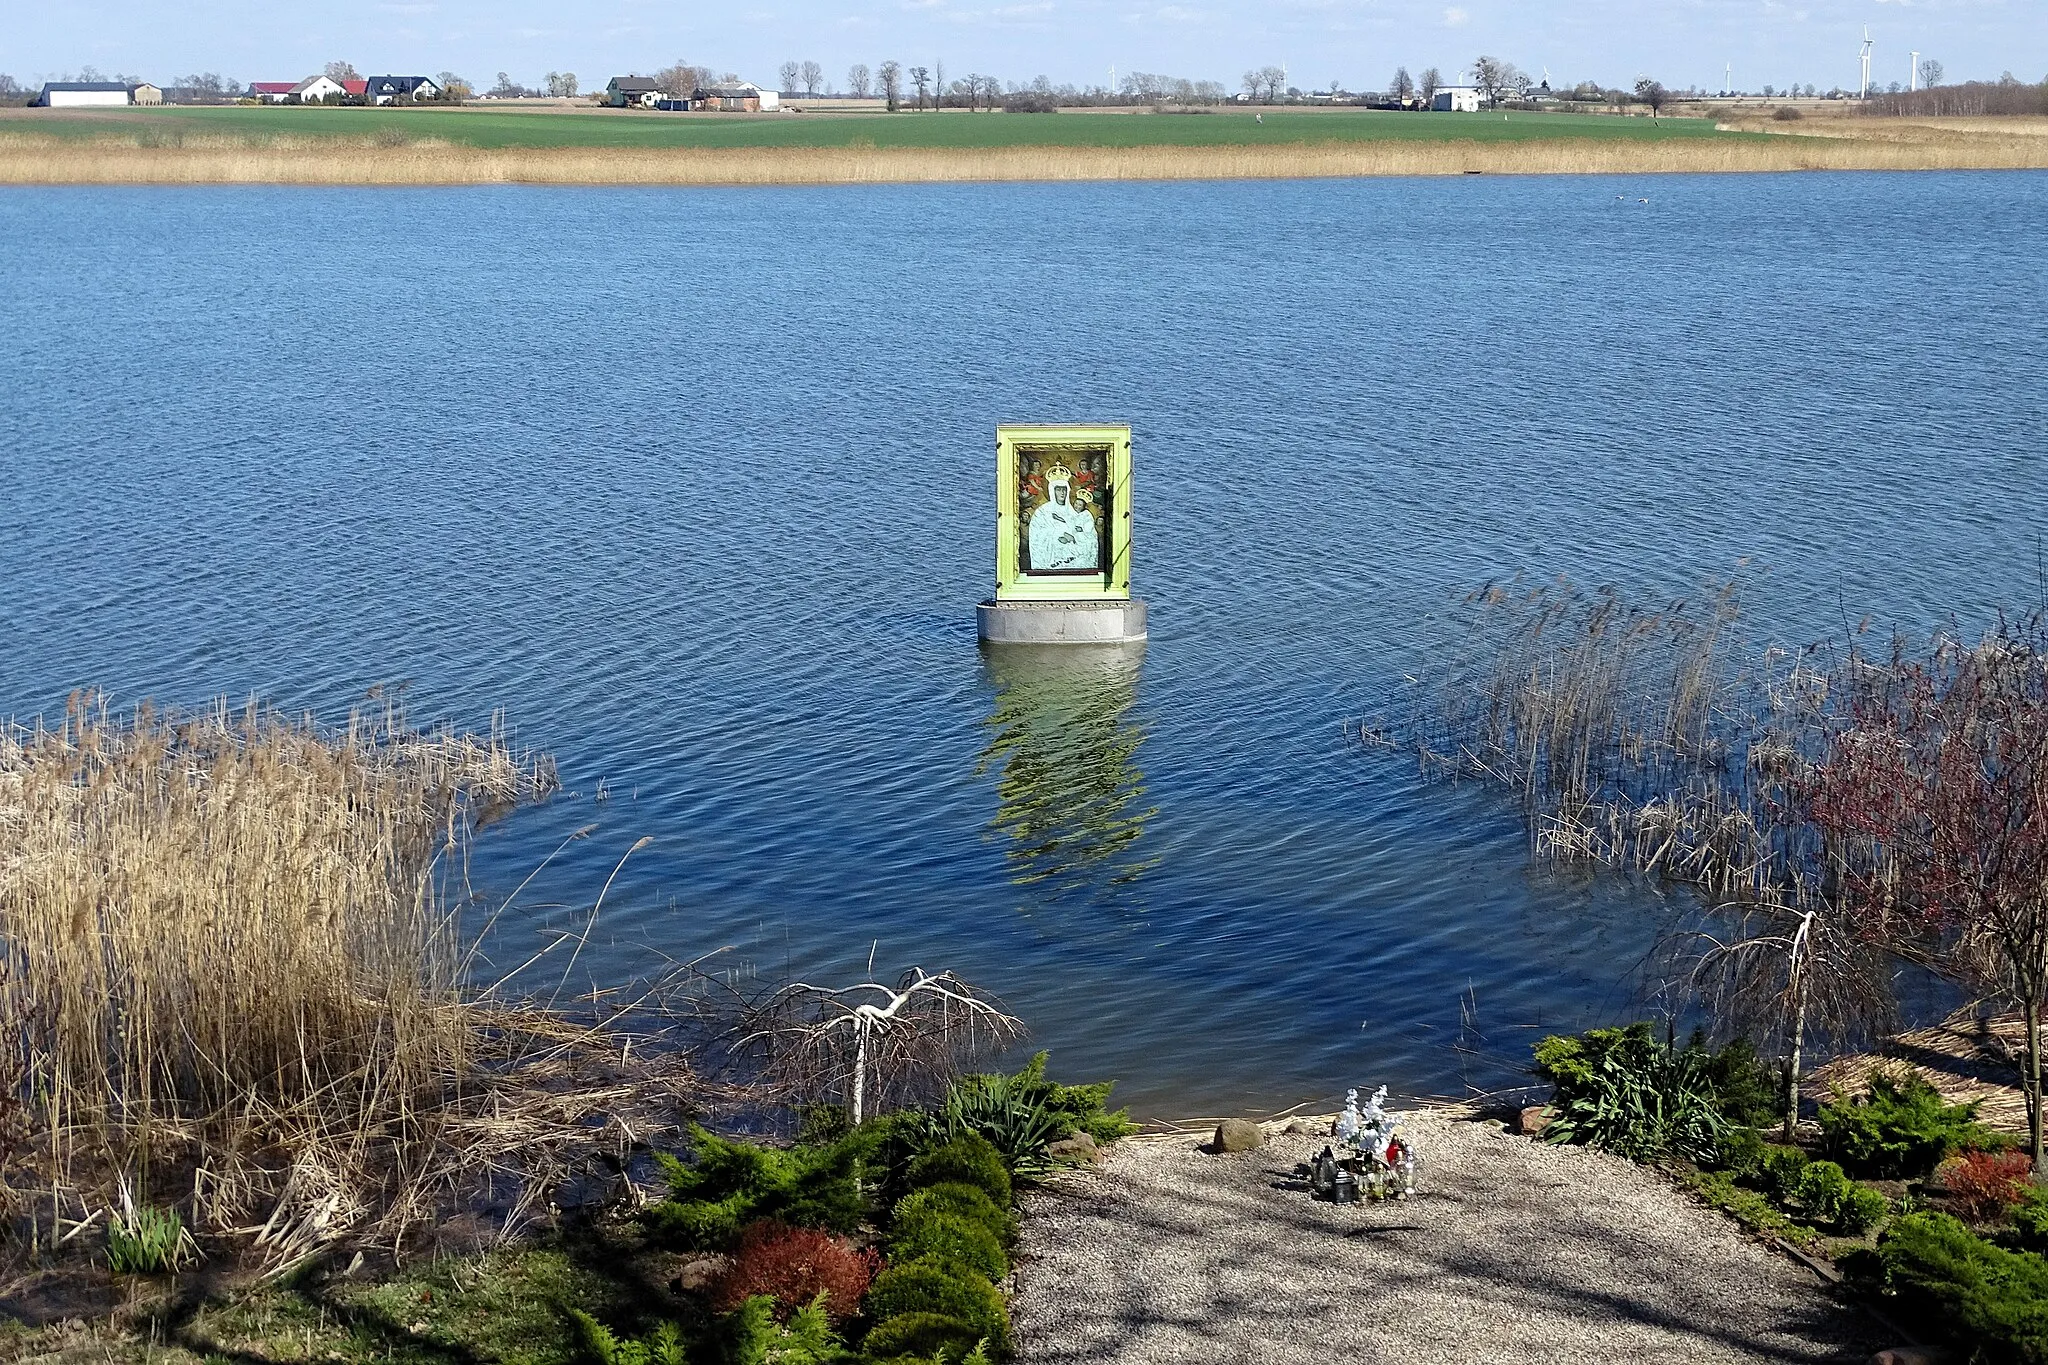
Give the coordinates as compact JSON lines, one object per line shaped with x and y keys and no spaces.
{"x":230,"y":976}
{"x":1867,"y":144}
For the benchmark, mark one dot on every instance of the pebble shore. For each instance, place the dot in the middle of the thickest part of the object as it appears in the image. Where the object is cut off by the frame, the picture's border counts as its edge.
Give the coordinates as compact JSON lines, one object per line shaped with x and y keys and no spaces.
{"x":1513,"y":1251}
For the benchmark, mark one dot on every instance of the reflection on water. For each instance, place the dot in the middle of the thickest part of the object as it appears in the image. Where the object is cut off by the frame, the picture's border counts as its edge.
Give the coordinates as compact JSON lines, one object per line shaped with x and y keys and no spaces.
{"x":1070,"y":794}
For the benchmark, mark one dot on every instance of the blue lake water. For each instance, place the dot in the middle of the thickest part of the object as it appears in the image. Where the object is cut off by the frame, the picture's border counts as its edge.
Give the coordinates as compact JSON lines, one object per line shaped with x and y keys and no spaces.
{"x":697,"y":487}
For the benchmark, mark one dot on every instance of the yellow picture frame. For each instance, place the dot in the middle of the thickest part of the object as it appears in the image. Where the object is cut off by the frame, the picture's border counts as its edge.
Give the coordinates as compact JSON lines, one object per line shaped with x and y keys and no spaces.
{"x":1084,"y":471}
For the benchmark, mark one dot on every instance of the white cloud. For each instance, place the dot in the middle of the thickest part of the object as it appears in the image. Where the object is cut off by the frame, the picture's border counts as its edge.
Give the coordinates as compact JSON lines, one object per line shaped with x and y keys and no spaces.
{"x":1455,"y":18}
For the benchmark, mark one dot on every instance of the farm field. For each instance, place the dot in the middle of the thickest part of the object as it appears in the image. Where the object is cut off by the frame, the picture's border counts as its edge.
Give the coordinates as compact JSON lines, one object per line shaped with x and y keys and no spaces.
{"x":493,"y":129}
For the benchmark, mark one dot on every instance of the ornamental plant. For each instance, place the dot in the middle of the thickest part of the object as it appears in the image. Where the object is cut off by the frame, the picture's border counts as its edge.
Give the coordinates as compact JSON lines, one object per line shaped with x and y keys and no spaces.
{"x":794,"y":1267}
{"x":1899,"y":1129}
{"x":1983,"y":1185}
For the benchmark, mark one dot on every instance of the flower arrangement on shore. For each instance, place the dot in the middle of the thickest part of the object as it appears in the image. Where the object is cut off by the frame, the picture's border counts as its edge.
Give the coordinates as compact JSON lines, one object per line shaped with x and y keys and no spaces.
{"x":1379,"y":1161}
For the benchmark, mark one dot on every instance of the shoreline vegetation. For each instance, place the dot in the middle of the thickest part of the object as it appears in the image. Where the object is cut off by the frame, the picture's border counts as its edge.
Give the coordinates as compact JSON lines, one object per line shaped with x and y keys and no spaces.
{"x":315,"y":147}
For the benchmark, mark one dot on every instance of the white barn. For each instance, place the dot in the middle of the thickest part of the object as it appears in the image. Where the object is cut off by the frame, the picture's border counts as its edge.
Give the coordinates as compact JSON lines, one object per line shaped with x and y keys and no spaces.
{"x":1456,"y":99}
{"x":83,"y":95}
{"x":314,"y":89}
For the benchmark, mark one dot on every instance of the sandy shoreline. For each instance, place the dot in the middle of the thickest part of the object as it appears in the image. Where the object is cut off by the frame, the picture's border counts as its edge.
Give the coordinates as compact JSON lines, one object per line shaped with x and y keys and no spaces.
{"x":1514,"y":1251}
{"x":27,"y":159}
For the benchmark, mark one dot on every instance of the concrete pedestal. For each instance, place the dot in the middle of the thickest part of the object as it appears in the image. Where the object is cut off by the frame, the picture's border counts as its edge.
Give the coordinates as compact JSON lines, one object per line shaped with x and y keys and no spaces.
{"x":1063,"y":623}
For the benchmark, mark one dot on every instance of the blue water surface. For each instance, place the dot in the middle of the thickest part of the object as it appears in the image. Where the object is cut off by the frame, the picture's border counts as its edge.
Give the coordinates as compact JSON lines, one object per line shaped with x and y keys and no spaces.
{"x":696,"y":486}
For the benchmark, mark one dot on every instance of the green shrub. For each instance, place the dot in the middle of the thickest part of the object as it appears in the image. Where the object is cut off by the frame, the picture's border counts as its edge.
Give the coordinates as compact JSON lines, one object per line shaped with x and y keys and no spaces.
{"x":1898,"y":1130}
{"x":933,"y":1234}
{"x":1746,"y":1091}
{"x":969,"y":1159}
{"x":1828,"y":1196}
{"x":1990,"y":1302}
{"x":146,"y":1241}
{"x":923,"y":1337}
{"x":948,"y":1291}
{"x":1740,"y":1153}
{"x":964,"y":1201}
{"x":732,"y":1184}
{"x":2029,"y":1219}
{"x":1782,"y":1169}
{"x":1624,"y":1090}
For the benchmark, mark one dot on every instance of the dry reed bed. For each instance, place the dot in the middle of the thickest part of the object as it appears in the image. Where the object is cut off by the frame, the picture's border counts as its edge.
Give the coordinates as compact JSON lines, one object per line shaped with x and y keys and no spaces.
{"x":230,"y":976}
{"x":43,"y":160}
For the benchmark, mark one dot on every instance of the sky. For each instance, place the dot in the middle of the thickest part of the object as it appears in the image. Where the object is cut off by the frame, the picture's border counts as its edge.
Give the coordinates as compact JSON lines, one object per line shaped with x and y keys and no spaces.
{"x":1355,"y":43}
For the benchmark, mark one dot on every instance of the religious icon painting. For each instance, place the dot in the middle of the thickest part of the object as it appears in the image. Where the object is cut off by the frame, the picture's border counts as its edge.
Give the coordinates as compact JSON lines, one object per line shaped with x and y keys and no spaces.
{"x":1061,"y":503}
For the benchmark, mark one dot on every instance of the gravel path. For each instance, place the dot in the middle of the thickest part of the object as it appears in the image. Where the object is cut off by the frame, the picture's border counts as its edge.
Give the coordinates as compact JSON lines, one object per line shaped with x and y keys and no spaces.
{"x":1512,"y":1251}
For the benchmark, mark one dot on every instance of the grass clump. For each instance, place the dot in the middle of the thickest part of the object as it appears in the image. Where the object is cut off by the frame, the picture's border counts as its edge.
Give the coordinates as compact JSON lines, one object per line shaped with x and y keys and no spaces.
{"x":926,"y":1289}
{"x":147,"y":1240}
{"x":1625,"y":1090}
{"x":1021,"y":1114}
{"x":1899,"y":1129}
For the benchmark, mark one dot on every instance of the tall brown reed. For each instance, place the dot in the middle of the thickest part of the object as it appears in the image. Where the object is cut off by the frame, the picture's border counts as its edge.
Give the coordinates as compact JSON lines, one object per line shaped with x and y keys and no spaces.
{"x":230,"y":967}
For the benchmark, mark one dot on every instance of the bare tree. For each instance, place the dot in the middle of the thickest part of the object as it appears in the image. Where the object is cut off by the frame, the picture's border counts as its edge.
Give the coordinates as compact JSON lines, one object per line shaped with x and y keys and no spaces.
{"x":1431,"y":82}
{"x":1275,"y":80}
{"x":562,"y":84}
{"x":1494,"y":78}
{"x":1652,"y":93}
{"x":858,"y":80}
{"x":682,"y":80}
{"x":342,"y":71}
{"x":922,"y":79}
{"x":938,"y":85}
{"x":1930,"y":72}
{"x":1935,"y":800}
{"x":890,"y":75}
{"x":786,"y":75}
{"x":812,"y":76}
{"x":454,"y":89}
{"x":1403,"y":85}
{"x":874,"y":1044}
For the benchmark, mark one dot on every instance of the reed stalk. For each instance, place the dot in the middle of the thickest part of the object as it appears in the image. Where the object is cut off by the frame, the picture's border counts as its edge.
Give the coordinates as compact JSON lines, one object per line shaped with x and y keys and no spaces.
{"x":232,"y":972}
{"x":1861,"y":144}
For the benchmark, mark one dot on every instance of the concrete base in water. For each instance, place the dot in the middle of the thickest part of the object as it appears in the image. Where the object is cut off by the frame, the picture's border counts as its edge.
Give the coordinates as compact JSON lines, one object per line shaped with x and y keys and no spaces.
{"x":1063,"y":623}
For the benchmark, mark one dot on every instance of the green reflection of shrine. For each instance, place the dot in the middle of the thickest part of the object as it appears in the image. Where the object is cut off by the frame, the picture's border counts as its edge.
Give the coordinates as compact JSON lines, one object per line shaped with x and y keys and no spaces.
{"x":1070,"y":795}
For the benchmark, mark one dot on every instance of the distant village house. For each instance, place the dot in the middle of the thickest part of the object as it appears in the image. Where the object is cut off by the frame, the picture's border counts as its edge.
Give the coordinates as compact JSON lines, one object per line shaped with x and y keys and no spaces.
{"x":1456,"y":99}
{"x":392,"y":89}
{"x":272,"y":92}
{"x":318,"y":90}
{"x":632,"y":92}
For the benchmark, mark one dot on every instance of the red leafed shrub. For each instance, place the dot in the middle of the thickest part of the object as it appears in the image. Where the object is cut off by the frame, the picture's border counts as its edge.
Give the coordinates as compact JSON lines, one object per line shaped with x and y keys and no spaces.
{"x":793,"y":1266}
{"x":1983,"y":1185}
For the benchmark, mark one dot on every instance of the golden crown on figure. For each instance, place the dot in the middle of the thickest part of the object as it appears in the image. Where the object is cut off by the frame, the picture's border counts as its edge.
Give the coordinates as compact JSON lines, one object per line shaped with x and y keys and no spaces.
{"x":1059,"y":473}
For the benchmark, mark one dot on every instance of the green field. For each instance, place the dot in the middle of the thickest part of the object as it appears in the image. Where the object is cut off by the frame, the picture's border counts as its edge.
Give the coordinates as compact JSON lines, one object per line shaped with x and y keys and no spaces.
{"x":489,"y":128}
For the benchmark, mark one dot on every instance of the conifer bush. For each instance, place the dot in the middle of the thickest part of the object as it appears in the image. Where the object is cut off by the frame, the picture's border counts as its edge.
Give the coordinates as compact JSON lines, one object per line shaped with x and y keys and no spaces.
{"x":968,"y":1159}
{"x":732,"y":1184}
{"x":1991,"y":1302}
{"x":964,"y":1201}
{"x":1899,"y":1129}
{"x":943,"y":1290}
{"x":934,"y":1235}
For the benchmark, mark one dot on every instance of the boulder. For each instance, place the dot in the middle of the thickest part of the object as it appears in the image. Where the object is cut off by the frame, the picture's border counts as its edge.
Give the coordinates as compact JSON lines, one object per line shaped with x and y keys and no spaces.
{"x":1909,"y":1355}
{"x":1237,"y":1135}
{"x":1075,"y":1149}
{"x":1533,"y":1120}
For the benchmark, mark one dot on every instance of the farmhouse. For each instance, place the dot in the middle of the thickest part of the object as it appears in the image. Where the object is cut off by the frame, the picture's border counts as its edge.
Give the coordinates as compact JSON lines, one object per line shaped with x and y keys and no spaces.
{"x":271,"y":92}
{"x":389,"y":89}
{"x":631,"y":92}
{"x":318,"y":89}
{"x":734,"y":97}
{"x":87,"y":94}
{"x":1456,"y":99}
{"x":142,"y":92}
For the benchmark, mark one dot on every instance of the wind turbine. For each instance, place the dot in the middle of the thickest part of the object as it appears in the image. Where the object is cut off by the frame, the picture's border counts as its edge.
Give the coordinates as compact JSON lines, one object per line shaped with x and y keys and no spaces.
{"x":1913,"y":73}
{"x":1864,"y":93}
